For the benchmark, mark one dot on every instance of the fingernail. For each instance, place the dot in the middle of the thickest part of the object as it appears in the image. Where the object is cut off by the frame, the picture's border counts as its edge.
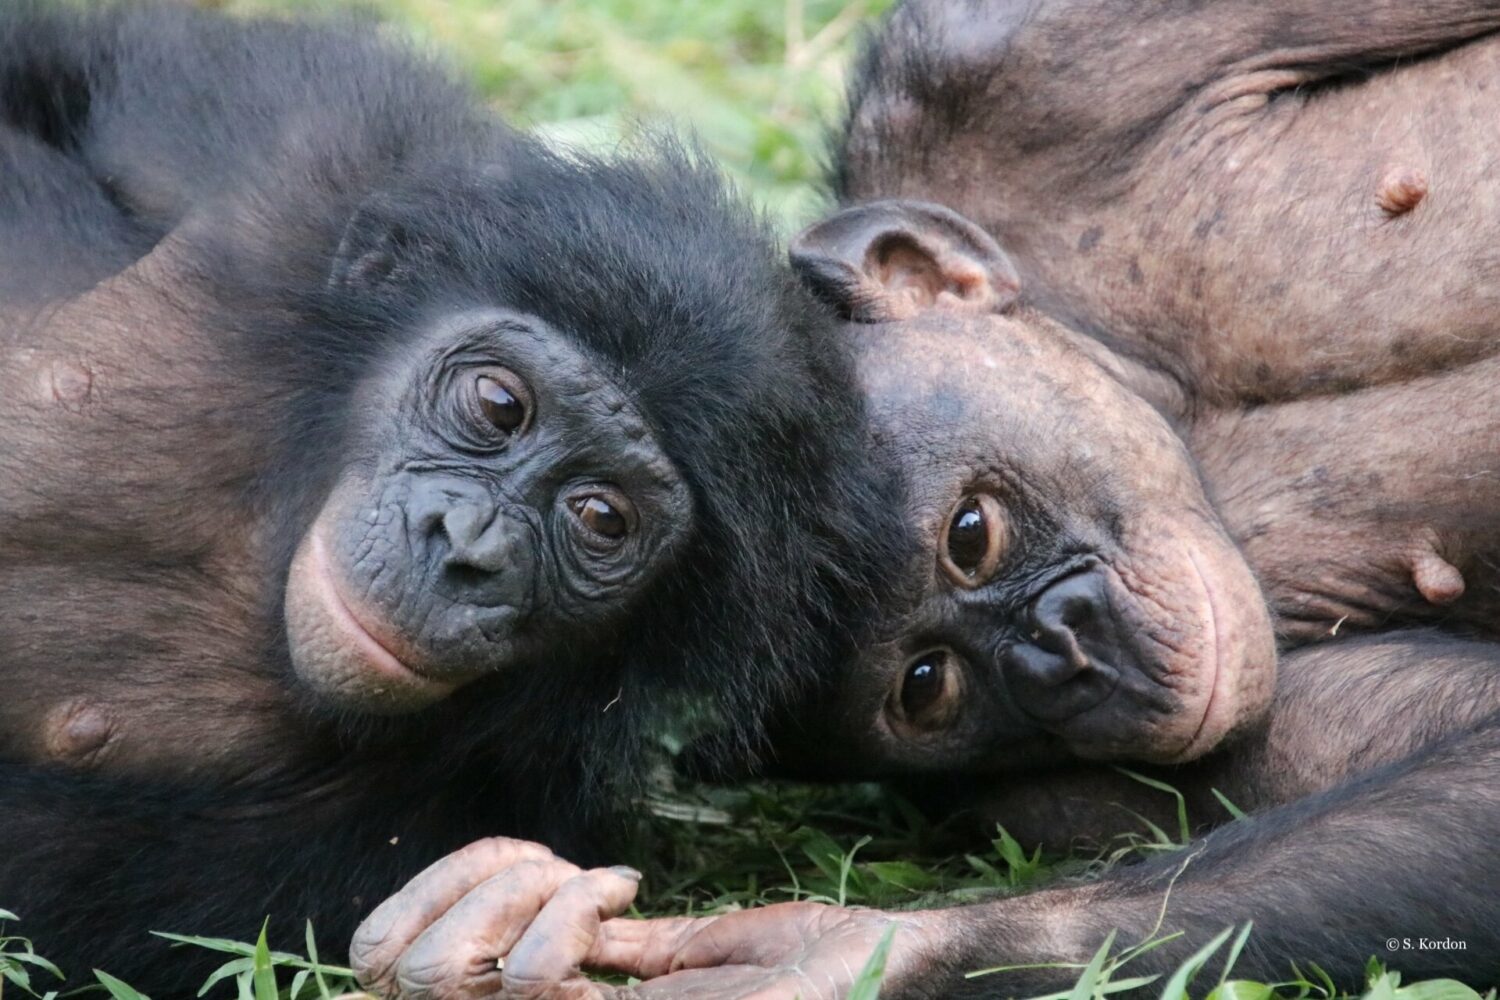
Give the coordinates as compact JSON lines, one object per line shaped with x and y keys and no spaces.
{"x":625,"y":871}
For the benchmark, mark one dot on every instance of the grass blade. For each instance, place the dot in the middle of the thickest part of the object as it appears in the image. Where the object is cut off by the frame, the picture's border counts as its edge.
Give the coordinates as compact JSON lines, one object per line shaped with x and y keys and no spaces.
{"x":867,"y":983}
{"x":312,"y":956}
{"x":1184,"y":830}
{"x":1089,"y":981}
{"x":265,"y":973}
{"x":117,"y":989}
{"x":1176,"y":988}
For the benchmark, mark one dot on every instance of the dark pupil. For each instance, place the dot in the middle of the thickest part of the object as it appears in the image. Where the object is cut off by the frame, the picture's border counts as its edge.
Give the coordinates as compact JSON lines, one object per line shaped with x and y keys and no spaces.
{"x":601,"y":517}
{"x":967,"y":537}
{"x":924,"y":682}
{"x":500,"y":407}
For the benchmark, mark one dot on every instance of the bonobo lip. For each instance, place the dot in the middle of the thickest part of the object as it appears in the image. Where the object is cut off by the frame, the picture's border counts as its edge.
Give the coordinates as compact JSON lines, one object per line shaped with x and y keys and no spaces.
{"x":1212,"y":728}
{"x":381,"y":661}
{"x":1179,"y":702}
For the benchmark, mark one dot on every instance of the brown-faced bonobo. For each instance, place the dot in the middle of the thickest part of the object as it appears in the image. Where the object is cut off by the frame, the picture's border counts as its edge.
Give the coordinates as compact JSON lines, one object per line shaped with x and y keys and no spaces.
{"x":324,"y":396}
{"x":1363,"y":840}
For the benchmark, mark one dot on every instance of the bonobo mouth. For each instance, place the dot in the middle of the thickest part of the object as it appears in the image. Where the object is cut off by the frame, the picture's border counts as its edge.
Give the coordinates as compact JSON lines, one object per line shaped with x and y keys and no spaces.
{"x":361,"y":640}
{"x":1116,"y":675}
{"x":340,"y":657}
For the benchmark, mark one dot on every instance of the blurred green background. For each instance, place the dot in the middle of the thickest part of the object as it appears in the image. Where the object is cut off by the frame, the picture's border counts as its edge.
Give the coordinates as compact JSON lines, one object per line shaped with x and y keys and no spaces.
{"x":757,"y":80}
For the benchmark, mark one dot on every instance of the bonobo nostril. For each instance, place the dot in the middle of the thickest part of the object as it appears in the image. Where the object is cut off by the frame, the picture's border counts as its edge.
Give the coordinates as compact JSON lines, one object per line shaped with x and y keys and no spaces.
{"x":1046,"y":667}
{"x":1069,"y":615}
{"x":1064,"y":662}
{"x":476,"y":538}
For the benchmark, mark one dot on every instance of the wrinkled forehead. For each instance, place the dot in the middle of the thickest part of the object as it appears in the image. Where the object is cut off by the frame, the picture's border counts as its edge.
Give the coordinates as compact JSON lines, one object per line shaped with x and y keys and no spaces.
{"x":969,"y":352}
{"x":954,"y":396}
{"x":937,"y":373}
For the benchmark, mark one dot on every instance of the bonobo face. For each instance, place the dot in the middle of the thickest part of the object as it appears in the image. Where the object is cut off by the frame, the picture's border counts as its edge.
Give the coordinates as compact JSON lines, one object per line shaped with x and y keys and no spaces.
{"x":1075,"y":592}
{"x":500,"y":490}
{"x":1074,"y":587}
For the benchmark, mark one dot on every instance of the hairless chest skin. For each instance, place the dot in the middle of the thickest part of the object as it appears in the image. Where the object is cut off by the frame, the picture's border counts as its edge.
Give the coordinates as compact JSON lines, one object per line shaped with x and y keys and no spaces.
{"x":1266,"y":201}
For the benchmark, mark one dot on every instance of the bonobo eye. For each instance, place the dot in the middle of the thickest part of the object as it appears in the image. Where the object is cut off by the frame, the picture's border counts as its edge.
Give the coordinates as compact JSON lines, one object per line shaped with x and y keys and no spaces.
{"x":927,"y":697}
{"x":502,"y":400}
{"x":606,"y":514}
{"x":974,"y":540}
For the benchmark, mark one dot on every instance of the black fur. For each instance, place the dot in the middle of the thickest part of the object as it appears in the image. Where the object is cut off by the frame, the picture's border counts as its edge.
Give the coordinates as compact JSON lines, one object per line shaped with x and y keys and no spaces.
{"x":267,"y":147}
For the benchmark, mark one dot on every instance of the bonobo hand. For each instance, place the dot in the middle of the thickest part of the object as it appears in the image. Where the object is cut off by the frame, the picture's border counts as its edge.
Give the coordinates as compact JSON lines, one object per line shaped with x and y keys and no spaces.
{"x":442,"y":938}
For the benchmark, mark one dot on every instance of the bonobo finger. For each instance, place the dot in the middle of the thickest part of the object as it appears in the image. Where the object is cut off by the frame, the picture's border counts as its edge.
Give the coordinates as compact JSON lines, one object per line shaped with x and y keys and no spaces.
{"x":457,"y":956}
{"x":559,"y":940}
{"x":730,"y":982}
{"x":644,"y":949}
{"x":386,"y":933}
{"x":766,"y":936}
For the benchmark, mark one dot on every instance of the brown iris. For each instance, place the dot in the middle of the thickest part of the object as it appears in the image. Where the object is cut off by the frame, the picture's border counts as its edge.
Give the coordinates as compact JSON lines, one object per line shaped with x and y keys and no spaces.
{"x":502,"y":403}
{"x":928,"y":695}
{"x":606,"y":516}
{"x":973,"y":541}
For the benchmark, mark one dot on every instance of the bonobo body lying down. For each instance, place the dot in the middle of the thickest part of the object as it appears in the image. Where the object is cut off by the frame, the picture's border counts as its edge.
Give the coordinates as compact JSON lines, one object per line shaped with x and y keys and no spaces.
{"x":1243,"y":272}
{"x":372,"y":479}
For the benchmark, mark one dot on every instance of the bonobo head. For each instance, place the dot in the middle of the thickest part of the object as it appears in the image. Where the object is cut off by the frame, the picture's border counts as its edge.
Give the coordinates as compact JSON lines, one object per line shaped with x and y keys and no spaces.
{"x":508,"y":494}
{"x":1074,"y":593}
{"x":572,"y":422}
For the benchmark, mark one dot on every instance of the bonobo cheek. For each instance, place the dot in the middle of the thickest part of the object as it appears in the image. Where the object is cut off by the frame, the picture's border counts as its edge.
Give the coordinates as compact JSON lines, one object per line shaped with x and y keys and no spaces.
{"x":332,"y":646}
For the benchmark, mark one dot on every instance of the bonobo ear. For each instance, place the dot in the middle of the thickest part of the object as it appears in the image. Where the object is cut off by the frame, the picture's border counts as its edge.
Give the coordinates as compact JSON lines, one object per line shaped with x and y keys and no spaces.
{"x":371,"y":252}
{"x":890,"y":260}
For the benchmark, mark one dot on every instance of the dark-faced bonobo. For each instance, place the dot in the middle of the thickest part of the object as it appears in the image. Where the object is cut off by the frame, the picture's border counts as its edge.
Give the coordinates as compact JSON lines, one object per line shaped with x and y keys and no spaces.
{"x":1259,"y":208}
{"x":371,"y":478}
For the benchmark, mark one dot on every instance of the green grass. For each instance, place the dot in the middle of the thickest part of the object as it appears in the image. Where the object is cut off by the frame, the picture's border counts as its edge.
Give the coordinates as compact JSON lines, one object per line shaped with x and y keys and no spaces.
{"x":709,"y":850}
{"x":756,"y":80}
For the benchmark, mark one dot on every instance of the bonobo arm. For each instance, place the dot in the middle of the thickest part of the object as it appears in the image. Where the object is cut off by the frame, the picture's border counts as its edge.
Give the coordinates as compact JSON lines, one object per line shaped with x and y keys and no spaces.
{"x":1306,"y":34}
{"x":1330,"y":34}
{"x":92,"y":864}
{"x":1397,"y":852}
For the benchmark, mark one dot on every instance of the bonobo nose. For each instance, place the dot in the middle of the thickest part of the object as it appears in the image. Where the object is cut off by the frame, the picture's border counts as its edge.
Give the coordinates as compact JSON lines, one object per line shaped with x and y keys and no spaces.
{"x":481,"y":556}
{"x":473,"y":541}
{"x":1070,"y":652}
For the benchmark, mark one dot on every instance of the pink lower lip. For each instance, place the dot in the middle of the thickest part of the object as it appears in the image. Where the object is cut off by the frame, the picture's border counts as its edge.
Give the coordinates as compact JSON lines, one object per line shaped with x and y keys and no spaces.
{"x":375,"y":654}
